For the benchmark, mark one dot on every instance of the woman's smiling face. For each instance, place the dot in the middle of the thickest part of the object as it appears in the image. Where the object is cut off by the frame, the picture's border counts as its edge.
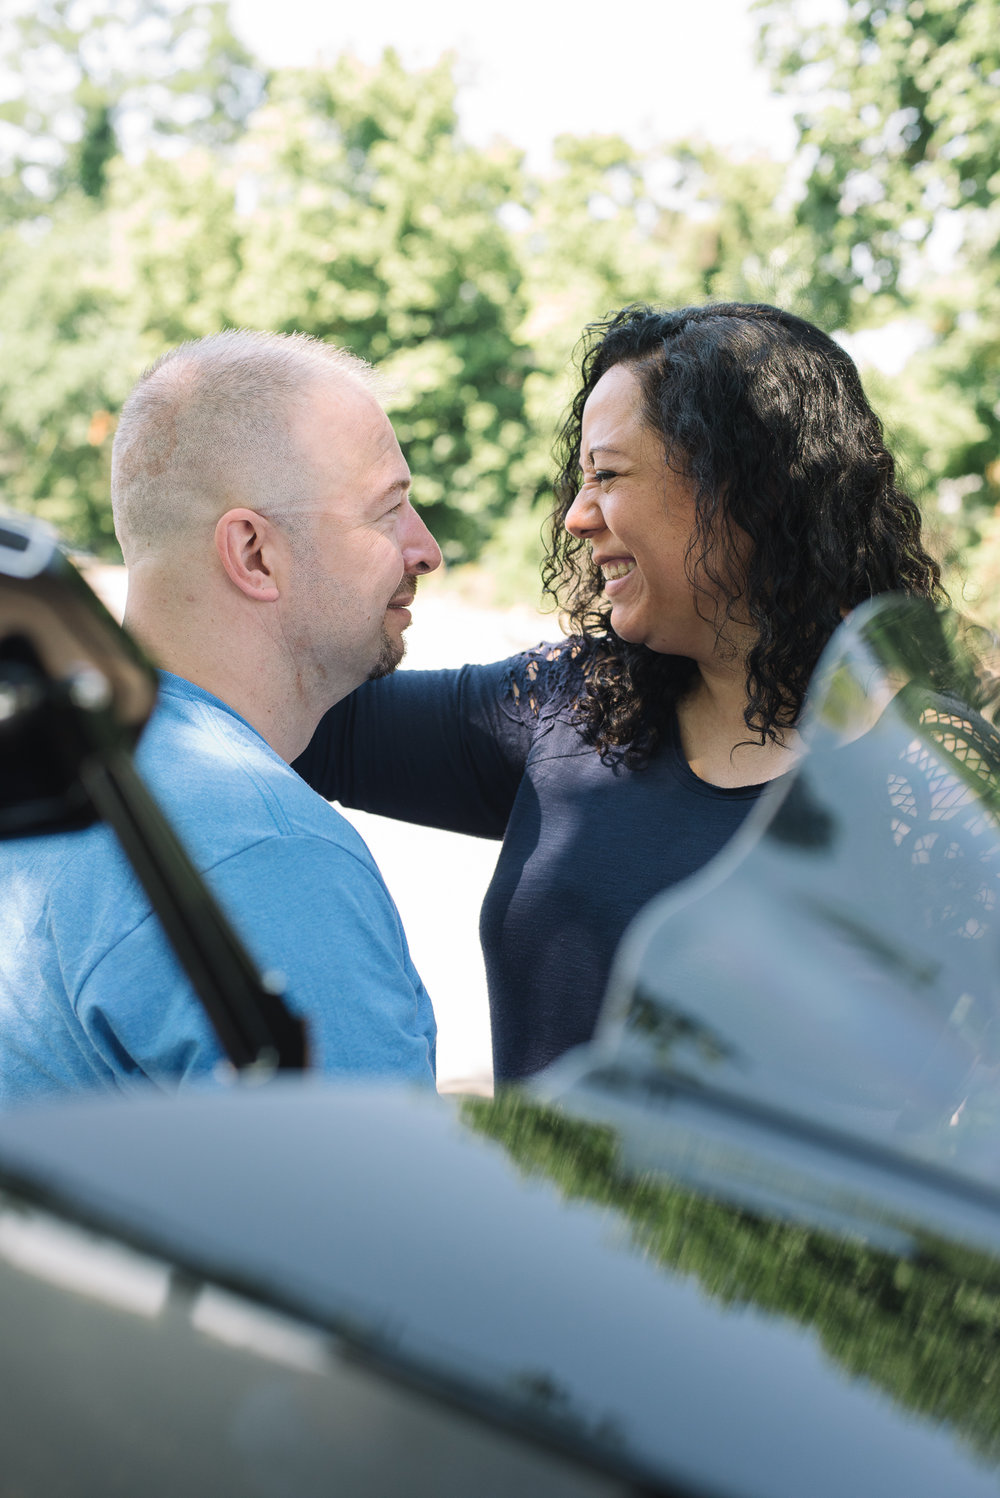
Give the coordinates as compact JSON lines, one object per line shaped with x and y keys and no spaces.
{"x":639,"y":517}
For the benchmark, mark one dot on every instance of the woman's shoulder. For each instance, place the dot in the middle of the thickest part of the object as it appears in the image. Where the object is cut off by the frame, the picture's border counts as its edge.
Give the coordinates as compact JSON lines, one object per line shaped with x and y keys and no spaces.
{"x":545,"y":681}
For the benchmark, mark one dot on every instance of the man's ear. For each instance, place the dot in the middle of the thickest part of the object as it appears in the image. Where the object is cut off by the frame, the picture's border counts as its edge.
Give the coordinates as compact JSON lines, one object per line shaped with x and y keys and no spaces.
{"x":248,"y":546}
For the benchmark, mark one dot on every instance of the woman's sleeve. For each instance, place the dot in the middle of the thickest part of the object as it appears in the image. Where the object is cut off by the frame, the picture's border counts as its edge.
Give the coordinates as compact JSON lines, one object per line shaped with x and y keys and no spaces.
{"x":443,"y":748}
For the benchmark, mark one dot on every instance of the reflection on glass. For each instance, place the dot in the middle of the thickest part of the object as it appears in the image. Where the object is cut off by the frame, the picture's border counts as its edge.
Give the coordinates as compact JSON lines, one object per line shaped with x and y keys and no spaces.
{"x":842,"y":961}
{"x":91,"y":1264}
{"x":924,"y":1328}
{"x":261,"y":1330}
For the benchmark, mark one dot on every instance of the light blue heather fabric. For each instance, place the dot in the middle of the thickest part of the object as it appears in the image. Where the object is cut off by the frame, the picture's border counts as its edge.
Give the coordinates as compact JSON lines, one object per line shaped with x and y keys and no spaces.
{"x":90,"y":993}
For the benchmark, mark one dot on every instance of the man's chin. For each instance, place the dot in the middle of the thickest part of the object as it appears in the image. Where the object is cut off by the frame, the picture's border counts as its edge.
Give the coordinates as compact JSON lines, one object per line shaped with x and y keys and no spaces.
{"x":390,"y":654}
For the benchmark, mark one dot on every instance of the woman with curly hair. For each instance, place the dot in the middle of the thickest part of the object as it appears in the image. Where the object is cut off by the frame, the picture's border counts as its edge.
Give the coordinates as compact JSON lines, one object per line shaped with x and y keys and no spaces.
{"x":725,"y":497}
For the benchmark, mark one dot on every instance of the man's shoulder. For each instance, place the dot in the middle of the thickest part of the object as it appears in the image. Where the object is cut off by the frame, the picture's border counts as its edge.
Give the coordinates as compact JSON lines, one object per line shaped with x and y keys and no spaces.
{"x":222,"y":786}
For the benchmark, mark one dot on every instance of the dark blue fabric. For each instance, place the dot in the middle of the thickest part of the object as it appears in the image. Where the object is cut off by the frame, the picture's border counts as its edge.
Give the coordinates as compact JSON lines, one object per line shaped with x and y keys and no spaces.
{"x":491,"y":750}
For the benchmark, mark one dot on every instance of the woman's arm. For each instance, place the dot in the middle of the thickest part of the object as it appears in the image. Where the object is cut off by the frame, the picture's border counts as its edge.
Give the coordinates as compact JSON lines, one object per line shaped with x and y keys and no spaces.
{"x":443,"y":748}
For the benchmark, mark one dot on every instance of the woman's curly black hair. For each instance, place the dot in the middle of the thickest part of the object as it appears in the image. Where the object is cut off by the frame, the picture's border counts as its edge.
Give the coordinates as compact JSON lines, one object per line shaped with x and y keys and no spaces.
{"x":768,"y":418}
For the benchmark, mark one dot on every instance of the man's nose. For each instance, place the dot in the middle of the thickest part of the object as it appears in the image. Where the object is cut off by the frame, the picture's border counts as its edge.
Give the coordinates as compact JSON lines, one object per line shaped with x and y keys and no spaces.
{"x":421,"y":553}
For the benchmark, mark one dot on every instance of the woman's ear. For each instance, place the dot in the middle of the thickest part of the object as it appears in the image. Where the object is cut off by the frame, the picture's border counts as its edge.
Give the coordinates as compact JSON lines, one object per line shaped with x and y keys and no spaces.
{"x":247,"y":544}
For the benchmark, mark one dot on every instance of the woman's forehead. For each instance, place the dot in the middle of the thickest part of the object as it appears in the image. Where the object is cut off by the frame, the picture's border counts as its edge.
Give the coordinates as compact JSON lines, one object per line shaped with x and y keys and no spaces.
{"x":613,"y":416}
{"x":617,"y":389}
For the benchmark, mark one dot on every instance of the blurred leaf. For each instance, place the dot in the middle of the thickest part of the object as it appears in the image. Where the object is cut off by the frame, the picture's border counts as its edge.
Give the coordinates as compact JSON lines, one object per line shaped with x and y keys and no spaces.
{"x":95,"y":78}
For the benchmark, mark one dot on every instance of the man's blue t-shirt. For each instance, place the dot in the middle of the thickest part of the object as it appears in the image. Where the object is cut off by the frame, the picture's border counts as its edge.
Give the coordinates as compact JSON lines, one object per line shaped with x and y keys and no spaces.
{"x":90,"y":992}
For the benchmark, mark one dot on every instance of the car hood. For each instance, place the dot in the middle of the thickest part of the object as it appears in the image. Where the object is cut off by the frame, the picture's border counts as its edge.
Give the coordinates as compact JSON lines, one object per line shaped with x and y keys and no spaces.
{"x":525,"y":1263}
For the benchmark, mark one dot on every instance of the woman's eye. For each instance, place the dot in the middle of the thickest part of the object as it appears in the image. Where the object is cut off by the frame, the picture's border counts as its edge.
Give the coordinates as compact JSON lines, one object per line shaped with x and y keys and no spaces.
{"x":604,"y":475}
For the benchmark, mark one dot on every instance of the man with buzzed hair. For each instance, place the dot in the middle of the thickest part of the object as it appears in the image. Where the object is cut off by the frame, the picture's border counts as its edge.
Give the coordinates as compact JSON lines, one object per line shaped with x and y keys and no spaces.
{"x":262,"y":505}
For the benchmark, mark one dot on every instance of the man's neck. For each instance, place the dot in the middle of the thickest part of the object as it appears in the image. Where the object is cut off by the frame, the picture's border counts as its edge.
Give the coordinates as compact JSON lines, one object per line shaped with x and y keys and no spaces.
{"x":276,"y":707}
{"x":284,"y":723}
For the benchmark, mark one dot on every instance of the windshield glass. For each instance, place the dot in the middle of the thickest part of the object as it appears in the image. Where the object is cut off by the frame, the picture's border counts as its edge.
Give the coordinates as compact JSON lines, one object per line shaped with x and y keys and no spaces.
{"x":841,"y":960}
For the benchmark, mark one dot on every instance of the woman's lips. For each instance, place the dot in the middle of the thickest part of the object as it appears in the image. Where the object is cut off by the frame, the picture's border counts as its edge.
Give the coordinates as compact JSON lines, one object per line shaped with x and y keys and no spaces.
{"x":615,"y":571}
{"x":617,"y":568}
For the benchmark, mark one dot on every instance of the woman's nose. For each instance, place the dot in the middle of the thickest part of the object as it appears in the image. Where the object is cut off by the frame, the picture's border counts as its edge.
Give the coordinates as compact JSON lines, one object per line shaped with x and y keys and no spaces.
{"x":584,"y":515}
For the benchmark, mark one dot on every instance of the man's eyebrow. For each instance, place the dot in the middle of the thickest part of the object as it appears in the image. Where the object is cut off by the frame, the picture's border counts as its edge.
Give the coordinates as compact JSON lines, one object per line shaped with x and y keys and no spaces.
{"x":398,"y":486}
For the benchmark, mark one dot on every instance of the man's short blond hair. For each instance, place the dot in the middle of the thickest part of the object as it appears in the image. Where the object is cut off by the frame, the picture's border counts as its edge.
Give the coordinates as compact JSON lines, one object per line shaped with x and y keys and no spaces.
{"x":209,"y":427}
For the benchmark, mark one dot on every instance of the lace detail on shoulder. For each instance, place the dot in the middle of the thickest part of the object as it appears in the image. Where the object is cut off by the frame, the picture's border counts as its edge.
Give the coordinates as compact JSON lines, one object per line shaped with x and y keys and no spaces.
{"x":544,"y":683}
{"x":946,"y":813}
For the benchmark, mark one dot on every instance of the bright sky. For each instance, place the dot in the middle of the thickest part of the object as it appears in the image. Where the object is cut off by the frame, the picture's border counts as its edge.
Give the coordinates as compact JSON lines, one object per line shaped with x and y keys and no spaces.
{"x":531,"y":69}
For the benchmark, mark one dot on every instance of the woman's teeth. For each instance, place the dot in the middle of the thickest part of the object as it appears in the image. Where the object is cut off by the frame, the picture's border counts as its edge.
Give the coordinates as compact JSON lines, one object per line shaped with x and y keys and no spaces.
{"x":614,"y":570}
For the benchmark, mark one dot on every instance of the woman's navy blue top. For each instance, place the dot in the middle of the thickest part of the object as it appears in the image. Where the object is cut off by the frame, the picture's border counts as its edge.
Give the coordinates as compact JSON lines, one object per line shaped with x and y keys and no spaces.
{"x":493,"y":751}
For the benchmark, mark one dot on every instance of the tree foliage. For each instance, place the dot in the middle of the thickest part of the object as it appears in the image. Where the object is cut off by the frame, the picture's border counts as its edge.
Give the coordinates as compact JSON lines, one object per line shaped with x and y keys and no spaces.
{"x":373,"y":225}
{"x":351,"y":210}
{"x":900,"y":152}
{"x":347,"y":206}
{"x":154,"y":190}
{"x":88,"y":79}
{"x":902,"y":130}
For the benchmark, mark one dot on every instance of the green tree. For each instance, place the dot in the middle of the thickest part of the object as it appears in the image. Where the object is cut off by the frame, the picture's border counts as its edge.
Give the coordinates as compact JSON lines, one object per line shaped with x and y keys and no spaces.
{"x":87,"y":79}
{"x":582,"y":236}
{"x":67,"y":348}
{"x":88,"y":297}
{"x":900,"y":150}
{"x":901,"y":131}
{"x":743,"y":242}
{"x":350,"y":210}
{"x":370,"y":223}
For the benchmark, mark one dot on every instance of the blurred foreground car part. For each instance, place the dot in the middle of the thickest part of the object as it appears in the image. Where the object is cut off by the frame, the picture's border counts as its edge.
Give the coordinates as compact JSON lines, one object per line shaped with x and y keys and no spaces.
{"x":75,"y":693}
{"x":307,"y":1289}
{"x":840,"y":961}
